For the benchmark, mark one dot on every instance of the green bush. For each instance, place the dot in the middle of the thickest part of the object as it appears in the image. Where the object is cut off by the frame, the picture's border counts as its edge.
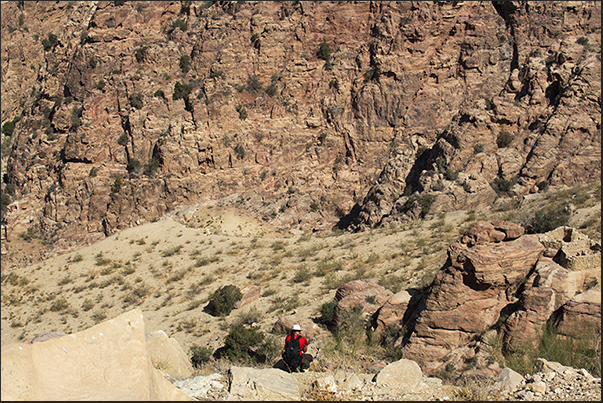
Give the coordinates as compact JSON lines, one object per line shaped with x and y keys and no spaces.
{"x":185,"y":63}
{"x":76,"y":114}
{"x":547,"y":219}
{"x":181,"y":91}
{"x":239,"y":151}
{"x":328,"y":314}
{"x":324,"y":51}
{"x":223,"y":300}
{"x":451,"y":175}
{"x":199,"y":355}
{"x":426,"y":201}
{"x":123,"y":139}
{"x":271,"y":89}
{"x":116,"y":184}
{"x":133,"y":165}
{"x":152,"y":166}
{"x":242,"y":112}
{"x":8,"y":128}
{"x":239,"y":340}
{"x":254,"y":84}
{"x":50,"y":42}
{"x":136,"y":100}
{"x":501,"y":186}
{"x":504,"y":139}
{"x":159,"y":94}
{"x":141,"y":53}
{"x":542,"y":185}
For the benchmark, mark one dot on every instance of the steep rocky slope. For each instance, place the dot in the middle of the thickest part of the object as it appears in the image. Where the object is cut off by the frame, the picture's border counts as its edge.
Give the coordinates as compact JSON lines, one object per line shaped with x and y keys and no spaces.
{"x":307,"y":114}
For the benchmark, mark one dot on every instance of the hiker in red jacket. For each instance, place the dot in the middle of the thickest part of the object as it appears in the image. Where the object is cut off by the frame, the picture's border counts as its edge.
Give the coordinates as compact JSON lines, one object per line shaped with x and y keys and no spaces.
{"x":295,"y":347}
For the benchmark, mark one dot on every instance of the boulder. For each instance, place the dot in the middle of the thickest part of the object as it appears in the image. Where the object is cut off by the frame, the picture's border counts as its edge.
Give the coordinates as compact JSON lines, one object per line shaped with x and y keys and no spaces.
{"x":108,"y":361}
{"x":508,"y":380}
{"x":397,"y":309}
{"x":581,"y":314}
{"x":200,"y":387}
{"x":262,"y":384}
{"x":365,"y":293}
{"x":248,"y":294}
{"x":167,"y":355}
{"x":402,"y":374}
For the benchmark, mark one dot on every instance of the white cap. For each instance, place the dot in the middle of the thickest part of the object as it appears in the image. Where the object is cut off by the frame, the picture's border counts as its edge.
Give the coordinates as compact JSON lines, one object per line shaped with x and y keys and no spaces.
{"x":296,"y":327}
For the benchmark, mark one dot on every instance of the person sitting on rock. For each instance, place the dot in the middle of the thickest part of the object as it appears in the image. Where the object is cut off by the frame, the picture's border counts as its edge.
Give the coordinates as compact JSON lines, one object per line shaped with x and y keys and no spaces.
{"x":295,"y":347}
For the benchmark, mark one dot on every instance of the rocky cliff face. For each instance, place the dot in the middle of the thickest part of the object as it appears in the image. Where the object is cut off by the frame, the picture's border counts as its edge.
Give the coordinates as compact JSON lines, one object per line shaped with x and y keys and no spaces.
{"x":308,"y":114}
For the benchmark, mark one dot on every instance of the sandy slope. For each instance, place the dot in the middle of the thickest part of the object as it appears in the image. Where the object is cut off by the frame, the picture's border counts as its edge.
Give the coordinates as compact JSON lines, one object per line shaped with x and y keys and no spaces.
{"x":169,"y":269}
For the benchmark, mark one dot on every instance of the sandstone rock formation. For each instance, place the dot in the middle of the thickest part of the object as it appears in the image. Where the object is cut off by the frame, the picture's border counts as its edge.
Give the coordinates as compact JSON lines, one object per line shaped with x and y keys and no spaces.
{"x":262,"y":384}
{"x":132,"y":109}
{"x":108,"y":361}
{"x":497,"y":279}
{"x":167,"y":355}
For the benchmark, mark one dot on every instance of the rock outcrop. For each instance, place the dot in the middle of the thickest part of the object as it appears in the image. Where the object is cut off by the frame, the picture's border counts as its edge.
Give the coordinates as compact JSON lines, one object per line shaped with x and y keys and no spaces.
{"x":498,"y":282}
{"x":289,"y":110}
{"x":108,"y":361}
{"x":498,"y":278}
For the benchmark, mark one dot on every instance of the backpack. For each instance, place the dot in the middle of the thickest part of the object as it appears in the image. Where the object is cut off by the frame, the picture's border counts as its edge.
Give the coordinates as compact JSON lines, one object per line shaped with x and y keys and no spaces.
{"x":292,"y":354}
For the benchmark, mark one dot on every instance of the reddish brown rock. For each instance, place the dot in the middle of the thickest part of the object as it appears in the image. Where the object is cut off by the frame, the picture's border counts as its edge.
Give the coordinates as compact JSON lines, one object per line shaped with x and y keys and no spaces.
{"x":249,"y":294}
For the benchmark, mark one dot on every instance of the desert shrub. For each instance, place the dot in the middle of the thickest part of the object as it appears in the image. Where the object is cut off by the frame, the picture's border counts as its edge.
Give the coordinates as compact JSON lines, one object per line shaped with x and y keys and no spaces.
{"x":271,"y":89}
{"x":141,"y":53}
{"x":87,"y":305}
{"x":302,"y":274}
{"x":392,"y":282}
{"x":77,"y":258}
{"x":159,"y":94}
{"x":501,"y":186}
{"x":123,"y":139}
{"x":239,"y":151}
{"x":547,"y":219}
{"x":185,"y":63}
{"x":59,"y":305}
{"x":136,"y":100}
{"x":451,"y":175}
{"x":223,"y":300}
{"x":152,"y":166}
{"x":217,"y":74}
{"x":254,"y":84}
{"x":171,"y":251}
{"x":579,"y":350}
{"x":239,"y":340}
{"x":181,"y":91}
{"x":478,"y":148}
{"x":325,"y":267}
{"x":504,"y":139}
{"x":328,"y":314}
{"x":8,"y":128}
{"x":76,"y":114}
{"x":100,"y":84}
{"x":133,"y":165}
{"x":324,"y":52}
{"x":49,"y":42}
{"x":200,"y":355}
{"x":426,"y":201}
{"x":116,"y":184}
{"x":242,"y":112}
{"x":542,"y":185}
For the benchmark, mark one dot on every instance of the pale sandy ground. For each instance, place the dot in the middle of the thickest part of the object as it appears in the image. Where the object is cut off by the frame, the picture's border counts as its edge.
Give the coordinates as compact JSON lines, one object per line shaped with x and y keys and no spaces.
{"x":172,"y":290}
